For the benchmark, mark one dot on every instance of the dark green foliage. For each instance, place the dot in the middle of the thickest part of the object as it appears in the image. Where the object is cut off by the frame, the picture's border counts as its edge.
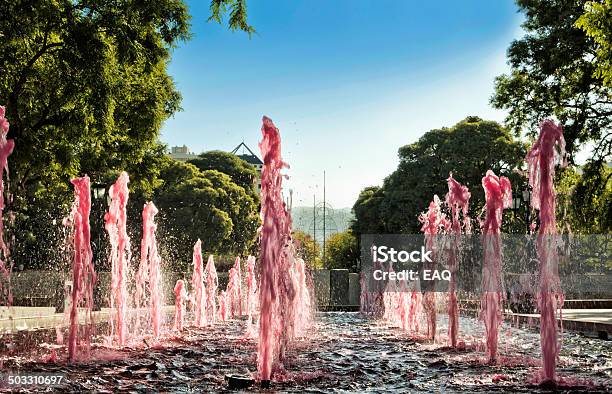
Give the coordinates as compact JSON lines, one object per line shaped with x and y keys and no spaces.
{"x":237,"y":14}
{"x":207,"y":205}
{"x":341,"y":251}
{"x":597,"y":23}
{"x":86,"y":88}
{"x":241,"y":172}
{"x":468,"y":150}
{"x":556,"y":71}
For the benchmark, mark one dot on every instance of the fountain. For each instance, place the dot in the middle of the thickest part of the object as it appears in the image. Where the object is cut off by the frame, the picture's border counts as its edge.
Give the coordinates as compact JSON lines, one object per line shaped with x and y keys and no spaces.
{"x":83,"y":273}
{"x":180,"y":296}
{"x":347,"y":352}
{"x":6,"y":148}
{"x":541,"y":161}
{"x":197,"y":283}
{"x":302,"y":305}
{"x":149,"y":270}
{"x":212,"y":283}
{"x":222,"y":305}
{"x":498,"y":195}
{"x":234,"y":290}
{"x":433,"y":220}
{"x":457,"y":198}
{"x":276,"y":291}
{"x":251,"y":292}
{"x":120,"y":254}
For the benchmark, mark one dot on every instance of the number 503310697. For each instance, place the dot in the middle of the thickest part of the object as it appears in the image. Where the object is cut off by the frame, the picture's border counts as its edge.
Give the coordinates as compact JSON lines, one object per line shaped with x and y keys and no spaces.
{"x":12,"y":379}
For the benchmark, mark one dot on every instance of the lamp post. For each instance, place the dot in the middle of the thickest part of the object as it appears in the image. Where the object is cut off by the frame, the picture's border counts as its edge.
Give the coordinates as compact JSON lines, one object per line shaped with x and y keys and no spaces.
{"x":527,"y":198}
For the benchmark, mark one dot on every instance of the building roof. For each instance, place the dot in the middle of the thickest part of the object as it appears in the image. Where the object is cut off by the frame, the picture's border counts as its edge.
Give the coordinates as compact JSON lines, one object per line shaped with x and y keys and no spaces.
{"x":250,"y":158}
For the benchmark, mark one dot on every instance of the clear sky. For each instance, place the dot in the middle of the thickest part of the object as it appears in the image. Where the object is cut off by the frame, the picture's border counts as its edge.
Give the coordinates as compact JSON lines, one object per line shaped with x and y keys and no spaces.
{"x":346,"y":81}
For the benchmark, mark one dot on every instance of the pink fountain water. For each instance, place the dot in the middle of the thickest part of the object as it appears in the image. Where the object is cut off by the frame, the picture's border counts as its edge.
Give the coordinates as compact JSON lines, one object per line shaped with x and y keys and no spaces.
{"x":415,"y":310}
{"x":115,"y":223}
{"x":6,"y":148}
{"x":390,"y":300}
{"x":457,"y":198}
{"x":197,"y":284}
{"x":212,"y":283}
{"x":432,"y":221}
{"x":276,"y":292}
{"x":149,"y":271}
{"x":234,"y":290}
{"x":251,"y":291}
{"x":302,"y":301}
{"x":180,"y":296}
{"x":541,"y":161}
{"x":83,"y":273}
{"x":498,"y":195}
{"x":222,"y":305}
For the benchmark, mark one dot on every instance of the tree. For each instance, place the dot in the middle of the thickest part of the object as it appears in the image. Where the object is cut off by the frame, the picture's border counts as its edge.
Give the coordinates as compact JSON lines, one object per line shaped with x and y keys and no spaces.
{"x":597,"y":23}
{"x":238,"y":14}
{"x":86,"y":85}
{"x":307,"y":248}
{"x":467,"y":150}
{"x":341,"y":251}
{"x":87,"y":90}
{"x":206,"y":205}
{"x":556,"y":71}
{"x":367,"y":211}
{"x":241,"y":172}
{"x":583,"y":205}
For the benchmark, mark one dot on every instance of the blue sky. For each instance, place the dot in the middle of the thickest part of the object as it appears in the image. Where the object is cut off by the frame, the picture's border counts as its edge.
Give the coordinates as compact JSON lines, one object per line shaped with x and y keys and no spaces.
{"x":346,"y":81}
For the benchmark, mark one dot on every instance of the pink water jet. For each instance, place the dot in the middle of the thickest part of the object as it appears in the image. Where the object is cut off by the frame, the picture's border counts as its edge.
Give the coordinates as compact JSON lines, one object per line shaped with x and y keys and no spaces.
{"x":415,"y":310}
{"x":197,"y":284}
{"x":541,"y":161}
{"x":223,"y":305}
{"x":390,"y":300}
{"x":180,"y":296}
{"x":116,"y":226}
{"x":83,"y":273}
{"x":432,"y":221}
{"x":212,"y":283}
{"x":251,"y":298}
{"x":149,"y":271}
{"x":498,"y":195}
{"x":6,"y":148}
{"x":302,"y":301}
{"x":276,"y":292}
{"x":364,"y":299}
{"x":457,"y":198}
{"x":234,"y":290}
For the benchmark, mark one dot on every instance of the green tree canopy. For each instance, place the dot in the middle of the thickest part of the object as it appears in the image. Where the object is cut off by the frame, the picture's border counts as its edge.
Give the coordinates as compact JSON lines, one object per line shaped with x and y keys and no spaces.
{"x":597,"y":23}
{"x":241,"y":172}
{"x":86,"y":88}
{"x":237,"y":10}
{"x":368,"y":212}
{"x":206,"y":205}
{"x":584,"y":205}
{"x":467,"y":150}
{"x":85,"y":85}
{"x":341,"y":251}
{"x":559,"y":70}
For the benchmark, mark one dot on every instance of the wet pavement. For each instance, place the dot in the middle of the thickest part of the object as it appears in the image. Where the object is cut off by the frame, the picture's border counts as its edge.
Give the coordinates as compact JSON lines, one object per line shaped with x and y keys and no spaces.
{"x":345,"y":352}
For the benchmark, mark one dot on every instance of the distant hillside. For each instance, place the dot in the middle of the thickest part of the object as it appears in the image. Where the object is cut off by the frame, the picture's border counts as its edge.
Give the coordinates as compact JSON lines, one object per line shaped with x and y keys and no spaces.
{"x":336,"y":220}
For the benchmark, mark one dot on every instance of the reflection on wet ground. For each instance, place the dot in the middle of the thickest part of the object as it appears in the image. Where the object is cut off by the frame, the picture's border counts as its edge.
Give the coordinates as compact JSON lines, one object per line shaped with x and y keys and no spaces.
{"x":345,"y":353}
